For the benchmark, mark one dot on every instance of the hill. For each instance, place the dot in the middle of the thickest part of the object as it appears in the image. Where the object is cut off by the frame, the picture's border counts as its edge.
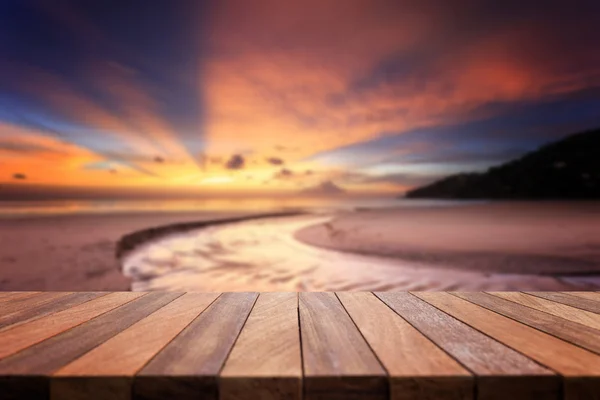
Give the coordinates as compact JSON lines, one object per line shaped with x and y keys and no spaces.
{"x":326,"y":188}
{"x":566,"y":169}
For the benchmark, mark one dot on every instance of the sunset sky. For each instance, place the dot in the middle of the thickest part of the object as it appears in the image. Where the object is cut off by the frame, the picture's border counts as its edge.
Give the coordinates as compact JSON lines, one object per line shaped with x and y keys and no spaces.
{"x":279,"y":96}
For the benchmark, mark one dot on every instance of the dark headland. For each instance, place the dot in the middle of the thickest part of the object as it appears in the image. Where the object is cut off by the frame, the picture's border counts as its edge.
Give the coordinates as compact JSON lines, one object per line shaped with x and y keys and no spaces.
{"x":565,"y":169}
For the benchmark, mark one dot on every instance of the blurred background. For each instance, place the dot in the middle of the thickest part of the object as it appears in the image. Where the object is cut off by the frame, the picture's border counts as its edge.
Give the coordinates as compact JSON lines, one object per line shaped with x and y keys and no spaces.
{"x":418,"y":144}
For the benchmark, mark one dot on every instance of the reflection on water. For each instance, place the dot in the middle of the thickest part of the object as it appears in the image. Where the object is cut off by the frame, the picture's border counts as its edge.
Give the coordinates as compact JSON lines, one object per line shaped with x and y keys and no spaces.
{"x":16,"y":208}
{"x":262,"y":255}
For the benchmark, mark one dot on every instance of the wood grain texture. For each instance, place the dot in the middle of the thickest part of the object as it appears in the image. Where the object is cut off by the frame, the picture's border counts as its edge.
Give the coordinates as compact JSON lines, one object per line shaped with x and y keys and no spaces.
{"x":22,"y":309}
{"x":96,"y":374}
{"x":238,"y":346}
{"x":188,"y":367}
{"x":501,"y":372}
{"x":570,"y":361}
{"x":338,"y":363}
{"x":578,"y":334}
{"x":560,"y":310}
{"x":28,"y":334}
{"x":20,"y":373}
{"x":6,"y":297}
{"x":48,"y":308}
{"x":594,"y":296}
{"x":589,"y":305}
{"x":417,"y":368}
{"x":265,"y":362}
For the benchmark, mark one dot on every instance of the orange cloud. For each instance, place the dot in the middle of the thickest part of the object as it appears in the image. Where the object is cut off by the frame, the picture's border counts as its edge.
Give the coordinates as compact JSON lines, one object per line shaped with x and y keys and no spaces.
{"x":285,"y":72}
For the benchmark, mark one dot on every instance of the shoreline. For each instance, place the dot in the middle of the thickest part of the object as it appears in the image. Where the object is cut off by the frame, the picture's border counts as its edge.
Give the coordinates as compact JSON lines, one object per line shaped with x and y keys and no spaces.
{"x":264,"y":255}
{"x":479,"y":246}
{"x":77,"y":252}
{"x":130,"y":241}
{"x":552,"y":239}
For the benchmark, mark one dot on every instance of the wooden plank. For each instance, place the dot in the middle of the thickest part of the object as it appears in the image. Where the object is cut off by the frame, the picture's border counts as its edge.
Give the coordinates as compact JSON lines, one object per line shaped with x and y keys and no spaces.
{"x":589,"y":305}
{"x":560,"y":310}
{"x":569,"y":360}
{"x":418,"y":369}
{"x":265,"y":362}
{"x":188,"y":367}
{"x":595,"y":296}
{"x":578,"y":334}
{"x":25,"y":335}
{"x":96,"y":375}
{"x":338,"y":363}
{"x":25,"y":374}
{"x":9,"y":314}
{"x":24,"y":315}
{"x":33,"y":300}
{"x":6,"y":297}
{"x":501,"y":372}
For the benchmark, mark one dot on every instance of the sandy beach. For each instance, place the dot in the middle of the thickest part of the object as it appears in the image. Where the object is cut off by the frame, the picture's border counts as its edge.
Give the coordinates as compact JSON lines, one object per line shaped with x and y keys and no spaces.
{"x":75,"y":252}
{"x":517,"y":237}
{"x":469,"y":247}
{"x":496,"y":246}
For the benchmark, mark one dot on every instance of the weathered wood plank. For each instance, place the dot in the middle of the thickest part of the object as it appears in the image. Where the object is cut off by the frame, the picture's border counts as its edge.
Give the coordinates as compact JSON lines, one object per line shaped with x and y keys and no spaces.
{"x":569,"y":360}
{"x":49,"y":307}
{"x":573,"y":332}
{"x":23,"y":309}
{"x":338,"y":363}
{"x":6,"y":297}
{"x":96,"y":374}
{"x":265,"y":362}
{"x":501,"y":372}
{"x":418,"y":369}
{"x":594,"y":296}
{"x":25,"y":374}
{"x":28,"y":334}
{"x":19,"y":302}
{"x":188,"y":367}
{"x":589,"y":305}
{"x":560,"y":310}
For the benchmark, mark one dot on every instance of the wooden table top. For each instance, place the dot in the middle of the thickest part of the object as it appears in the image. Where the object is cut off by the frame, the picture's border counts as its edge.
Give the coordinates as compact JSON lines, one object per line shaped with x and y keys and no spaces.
{"x":346,"y":345}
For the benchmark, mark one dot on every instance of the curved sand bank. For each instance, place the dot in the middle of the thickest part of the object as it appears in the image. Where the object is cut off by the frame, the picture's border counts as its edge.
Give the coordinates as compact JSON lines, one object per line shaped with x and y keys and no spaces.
{"x":518,"y":238}
{"x":263,"y":255}
{"x":77,"y":252}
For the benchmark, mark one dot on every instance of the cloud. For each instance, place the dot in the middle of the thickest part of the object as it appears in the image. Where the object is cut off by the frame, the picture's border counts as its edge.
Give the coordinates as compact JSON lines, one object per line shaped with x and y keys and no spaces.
{"x":98,"y":166}
{"x":384,"y":83}
{"x":404,"y":180}
{"x":26,"y":148}
{"x":19,"y":176}
{"x":236,"y":161}
{"x":370,"y":68}
{"x":275,"y":161}
{"x":283,"y":173}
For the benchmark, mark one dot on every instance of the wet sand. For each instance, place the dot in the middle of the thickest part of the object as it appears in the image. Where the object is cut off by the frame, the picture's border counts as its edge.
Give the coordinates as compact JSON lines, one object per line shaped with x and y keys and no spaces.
{"x":265,"y":255}
{"x":523,"y":238}
{"x":519,"y":246}
{"x":75,"y":252}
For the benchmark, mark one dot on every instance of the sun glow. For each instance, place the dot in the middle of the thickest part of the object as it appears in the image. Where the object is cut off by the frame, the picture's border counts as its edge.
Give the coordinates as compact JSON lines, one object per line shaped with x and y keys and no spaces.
{"x":216,"y":180}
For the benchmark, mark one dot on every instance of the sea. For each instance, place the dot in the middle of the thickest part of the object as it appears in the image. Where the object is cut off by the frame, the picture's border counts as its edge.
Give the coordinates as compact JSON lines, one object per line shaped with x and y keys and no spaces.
{"x":59,"y":207}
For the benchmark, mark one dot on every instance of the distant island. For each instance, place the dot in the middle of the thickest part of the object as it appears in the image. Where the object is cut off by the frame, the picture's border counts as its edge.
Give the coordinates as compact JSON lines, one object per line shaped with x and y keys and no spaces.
{"x":566,"y":169}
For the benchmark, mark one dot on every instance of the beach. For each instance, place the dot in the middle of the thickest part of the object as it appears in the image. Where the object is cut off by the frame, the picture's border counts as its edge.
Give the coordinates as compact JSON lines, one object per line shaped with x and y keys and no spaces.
{"x":508,"y":237}
{"x":503,"y":246}
{"x":495,"y":246}
{"x":75,"y":252}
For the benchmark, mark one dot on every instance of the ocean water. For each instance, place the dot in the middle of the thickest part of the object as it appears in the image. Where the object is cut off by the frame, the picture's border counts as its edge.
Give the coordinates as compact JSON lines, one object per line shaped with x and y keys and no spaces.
{"x":52,"y":207}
